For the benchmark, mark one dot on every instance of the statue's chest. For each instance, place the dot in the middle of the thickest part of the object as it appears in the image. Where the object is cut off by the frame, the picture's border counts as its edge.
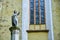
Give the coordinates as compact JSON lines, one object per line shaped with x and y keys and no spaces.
{"x":16,"y":18}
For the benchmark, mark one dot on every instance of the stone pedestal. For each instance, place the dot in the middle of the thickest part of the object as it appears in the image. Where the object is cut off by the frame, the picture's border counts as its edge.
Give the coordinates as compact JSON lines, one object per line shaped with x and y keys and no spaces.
{"x":14,"y":33}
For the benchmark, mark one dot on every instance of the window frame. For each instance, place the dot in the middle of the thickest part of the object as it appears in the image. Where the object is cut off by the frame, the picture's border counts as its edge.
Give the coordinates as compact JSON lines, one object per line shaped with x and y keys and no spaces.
{"x":35,"y":13}
{"x":25,"y":19}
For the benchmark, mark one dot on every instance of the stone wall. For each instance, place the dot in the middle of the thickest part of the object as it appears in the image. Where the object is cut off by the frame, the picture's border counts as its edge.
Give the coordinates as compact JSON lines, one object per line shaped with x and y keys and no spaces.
{"x":6,"y":10}
{"x":56,"y":18}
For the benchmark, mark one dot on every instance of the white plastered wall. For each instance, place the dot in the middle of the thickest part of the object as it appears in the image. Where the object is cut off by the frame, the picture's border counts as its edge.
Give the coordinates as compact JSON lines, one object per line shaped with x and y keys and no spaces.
{"x":49,"y":23}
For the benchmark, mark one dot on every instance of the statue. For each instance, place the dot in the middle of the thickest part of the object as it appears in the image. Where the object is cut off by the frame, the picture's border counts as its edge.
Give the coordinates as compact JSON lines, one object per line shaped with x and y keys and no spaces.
{"x":15,"y":19}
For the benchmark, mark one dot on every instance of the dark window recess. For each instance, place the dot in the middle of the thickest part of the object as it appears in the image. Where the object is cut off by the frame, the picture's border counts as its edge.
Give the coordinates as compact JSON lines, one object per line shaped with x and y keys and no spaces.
{"x":37,"y":12}
{"x":31,"y":11}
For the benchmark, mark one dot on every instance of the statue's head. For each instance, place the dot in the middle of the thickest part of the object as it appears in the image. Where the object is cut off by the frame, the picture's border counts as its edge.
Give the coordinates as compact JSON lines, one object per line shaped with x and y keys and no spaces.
{"x":15,"y":12}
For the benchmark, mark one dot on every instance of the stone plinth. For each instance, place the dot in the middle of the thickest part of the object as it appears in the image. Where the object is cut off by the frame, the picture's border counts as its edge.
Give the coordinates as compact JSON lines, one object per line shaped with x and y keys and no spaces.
{"x":14,"y":33}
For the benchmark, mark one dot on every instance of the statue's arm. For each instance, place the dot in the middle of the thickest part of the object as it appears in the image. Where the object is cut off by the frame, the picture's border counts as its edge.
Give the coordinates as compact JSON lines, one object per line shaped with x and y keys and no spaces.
{"x":18,"y":13}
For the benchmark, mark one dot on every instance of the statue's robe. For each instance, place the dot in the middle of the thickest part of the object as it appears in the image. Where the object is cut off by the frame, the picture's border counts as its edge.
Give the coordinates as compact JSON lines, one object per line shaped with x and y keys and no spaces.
{"x":14,"y":20}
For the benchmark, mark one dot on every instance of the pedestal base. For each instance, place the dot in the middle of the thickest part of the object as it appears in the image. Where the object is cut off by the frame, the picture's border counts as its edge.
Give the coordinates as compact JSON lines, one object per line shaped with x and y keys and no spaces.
{"x":14,"y":33}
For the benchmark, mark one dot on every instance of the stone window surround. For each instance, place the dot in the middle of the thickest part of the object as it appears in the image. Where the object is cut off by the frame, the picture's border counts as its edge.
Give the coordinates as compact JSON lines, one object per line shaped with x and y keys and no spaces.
{"x":25,"y":17}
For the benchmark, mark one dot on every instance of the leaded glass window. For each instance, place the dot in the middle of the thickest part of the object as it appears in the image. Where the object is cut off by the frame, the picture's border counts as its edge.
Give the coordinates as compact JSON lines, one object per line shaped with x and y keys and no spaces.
{"x":37,"y":12}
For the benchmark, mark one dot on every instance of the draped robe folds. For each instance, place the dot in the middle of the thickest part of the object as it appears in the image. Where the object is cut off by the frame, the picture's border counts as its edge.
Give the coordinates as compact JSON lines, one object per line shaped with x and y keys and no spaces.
{"x":14,"y":20}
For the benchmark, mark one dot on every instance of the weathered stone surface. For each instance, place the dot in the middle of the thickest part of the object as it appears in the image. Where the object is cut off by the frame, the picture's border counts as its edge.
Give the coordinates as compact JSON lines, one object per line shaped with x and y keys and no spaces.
{"x":6,"y":10}
{"x":56,"y":18}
